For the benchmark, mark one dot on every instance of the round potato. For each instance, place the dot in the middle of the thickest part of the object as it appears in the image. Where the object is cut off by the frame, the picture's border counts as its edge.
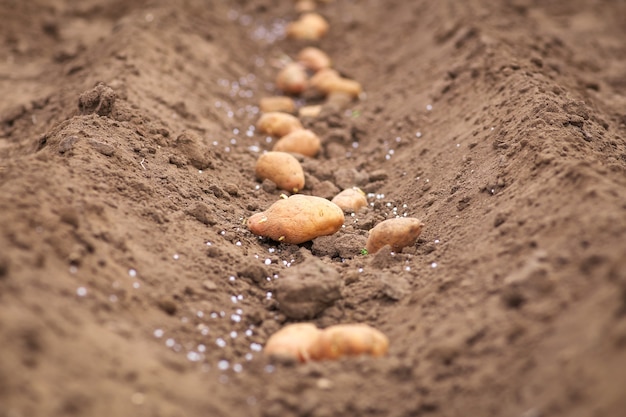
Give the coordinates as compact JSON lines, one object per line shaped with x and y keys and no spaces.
{"x":292,"y":79}
{"x":397,"y":233}
{"x":305,"y":6}
{"x":281,"y":168}
{"x":349,"y":340}
{"x":278,"y":124}
{"x":277,"y":104}
{"x":292,"y":341}
{"x":350,"y":200}
{"x":297,"y":219}
{"x":314,"y":58}
{"x":303,"y":142}
{"x":310,"y":26}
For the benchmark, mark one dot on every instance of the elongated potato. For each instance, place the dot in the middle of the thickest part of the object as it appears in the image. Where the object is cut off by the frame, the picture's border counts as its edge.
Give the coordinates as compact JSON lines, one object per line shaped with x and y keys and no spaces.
{"x":398,"y":233}
{"x":310,"y":26}
{"x":297,"y":219}
{"x":278,"y":124}
{"x":350,"y":200}
{"x":292,"y":341}
{"x":292,"y":79}
{"x":281,"y":168}
{"x":302,"y":141}
{"x":314,"y":58}
{"x":277,"y":104}
{"x":312,"y":111}
{"x":349,"y":340}
{"x":328,"y":81}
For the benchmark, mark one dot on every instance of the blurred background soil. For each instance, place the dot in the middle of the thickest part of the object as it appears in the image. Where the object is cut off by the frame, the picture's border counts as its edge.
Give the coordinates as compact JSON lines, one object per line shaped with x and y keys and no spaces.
{"x":129,"y":284}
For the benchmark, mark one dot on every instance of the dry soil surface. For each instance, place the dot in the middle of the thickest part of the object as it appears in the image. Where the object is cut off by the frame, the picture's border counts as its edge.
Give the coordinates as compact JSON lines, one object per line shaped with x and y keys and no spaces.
{"x":130,"y":285}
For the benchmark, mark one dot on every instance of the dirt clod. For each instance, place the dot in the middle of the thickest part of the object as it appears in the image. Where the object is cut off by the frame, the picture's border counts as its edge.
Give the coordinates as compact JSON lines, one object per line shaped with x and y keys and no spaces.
{"x":307,"y":289}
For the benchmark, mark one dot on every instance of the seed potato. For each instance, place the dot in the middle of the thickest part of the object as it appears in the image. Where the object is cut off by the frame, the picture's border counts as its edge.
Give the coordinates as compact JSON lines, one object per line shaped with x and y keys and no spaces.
{"x":349,"y":340}
{"x":277,"y":104}
{"x":303,"y":142}
{"x":350,"y":200}
{"x":293,"y":341}
{"x":310,"y":26}
{"x":281,"y":168}
{"x":305,"y":6}
{"x":398,"y":233}
{"x":278,"y":124}
{"x":312,"y":111}
{"x":314,"y":59}
{"x":297,"y":219}
{"x":328,"y":81}
{"x":292,"y":79}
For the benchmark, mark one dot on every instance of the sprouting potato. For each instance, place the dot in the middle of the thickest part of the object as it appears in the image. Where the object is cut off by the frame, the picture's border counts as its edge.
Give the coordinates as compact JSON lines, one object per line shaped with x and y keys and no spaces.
{"x":314,"y":58}
{"x":278,"y":124}
{"x":292,"y":341}
{"x":310,"y":111}
{"x":281,"y":168}
{"x":398,"y":233}
{"x":350,"y":200}
{"x":292,"y":79}
{"x":328,"y":81}
{"x":277,"y":104}
{"x":303,"y":142}
{"x":349,"y":340}
{"x":297,"y":219}
{"x":310,"y":26}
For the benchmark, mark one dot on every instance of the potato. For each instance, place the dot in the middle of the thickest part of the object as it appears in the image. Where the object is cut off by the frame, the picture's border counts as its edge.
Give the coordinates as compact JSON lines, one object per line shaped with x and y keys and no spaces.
{"x":310,"y":111}
{"x":305,"y":6}
{"x":292,"y":79}
{"x":281,"y":168}
{"x":310,"y":26}
{"x":350,"y":200}
{"x":328,"y":81}
{"x":398,"y":233}
{"x":277,"y":123}
{"x":303,"y":142}
{"x":297,"y":219}
{"x":292,"y":341}
{"x":337,"y":101}
{"x":277,"y":103}
{"x":314,"y":59}
{"x":349,"y":340}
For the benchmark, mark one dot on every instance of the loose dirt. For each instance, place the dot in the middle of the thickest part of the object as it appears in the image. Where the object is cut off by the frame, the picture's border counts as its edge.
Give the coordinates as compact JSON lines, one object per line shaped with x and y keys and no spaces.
{"x":129,"y":284}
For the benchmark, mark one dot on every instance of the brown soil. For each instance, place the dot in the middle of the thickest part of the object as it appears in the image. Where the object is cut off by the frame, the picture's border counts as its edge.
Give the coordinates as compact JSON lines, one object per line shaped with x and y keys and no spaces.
{"x":127,"y":172}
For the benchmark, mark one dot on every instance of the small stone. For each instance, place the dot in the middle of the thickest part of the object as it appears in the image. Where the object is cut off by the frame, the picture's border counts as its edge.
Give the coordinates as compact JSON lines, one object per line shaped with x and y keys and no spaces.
{"x":67,"y":144}
{"x":209,"y":285}
{"x":104,"y":148}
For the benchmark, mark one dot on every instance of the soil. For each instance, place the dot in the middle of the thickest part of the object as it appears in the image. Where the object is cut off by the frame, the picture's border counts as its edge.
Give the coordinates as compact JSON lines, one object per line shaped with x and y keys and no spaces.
{"x":130,"y":285}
